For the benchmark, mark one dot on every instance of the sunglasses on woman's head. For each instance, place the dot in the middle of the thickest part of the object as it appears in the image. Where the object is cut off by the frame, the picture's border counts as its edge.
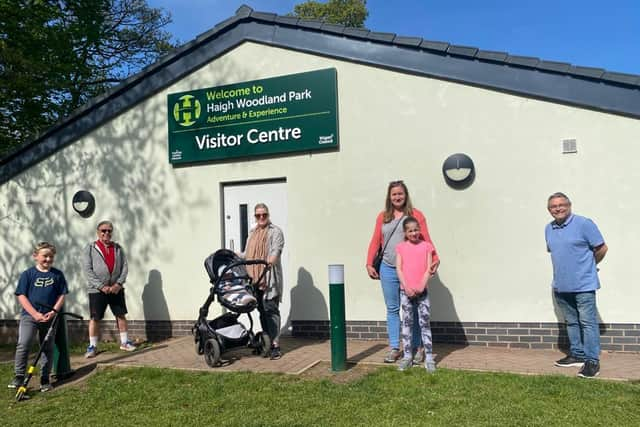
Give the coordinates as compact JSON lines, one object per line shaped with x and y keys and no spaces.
{"x":398,"y":182}
{"x":106,"y":230}
{"x":261,"y":215}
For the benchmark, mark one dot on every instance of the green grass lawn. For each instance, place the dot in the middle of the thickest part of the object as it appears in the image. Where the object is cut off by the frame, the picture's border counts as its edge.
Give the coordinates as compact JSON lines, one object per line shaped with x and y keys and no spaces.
{"x":159,"y":397}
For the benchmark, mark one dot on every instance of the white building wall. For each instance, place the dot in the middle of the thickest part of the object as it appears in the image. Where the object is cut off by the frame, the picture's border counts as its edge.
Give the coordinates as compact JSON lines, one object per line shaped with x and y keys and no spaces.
{"x":392,"y":126}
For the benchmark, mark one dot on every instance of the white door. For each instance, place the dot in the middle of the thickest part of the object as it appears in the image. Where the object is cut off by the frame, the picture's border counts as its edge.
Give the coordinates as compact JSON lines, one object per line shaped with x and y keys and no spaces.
{"x":239,"y":201}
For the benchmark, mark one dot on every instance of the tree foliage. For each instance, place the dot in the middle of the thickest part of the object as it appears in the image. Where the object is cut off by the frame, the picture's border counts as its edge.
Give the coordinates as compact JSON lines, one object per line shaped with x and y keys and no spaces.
{"x":55,"y":55}
{"x":351,"y":13}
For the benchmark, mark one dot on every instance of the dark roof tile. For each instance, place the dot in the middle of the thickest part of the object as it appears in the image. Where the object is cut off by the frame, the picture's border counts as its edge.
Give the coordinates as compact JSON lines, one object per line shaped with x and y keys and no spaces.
{"x":382,"y":37}
{"x":333,"y":28}
{"x":523,"y":61}
{"x":433,"y":45}
{"x":361,"y":33}
{"x":262,"y":16}
{"x":244,"y":11}
{"x":462,"y":51}
{"x":288,"y":20}
{"x":408,"y":41}
{"x":489,"y":55}
{"x":631,"y":79}
{"x":309,"y":23}
{"x":560,"y":67}
{"x":591,"y":72}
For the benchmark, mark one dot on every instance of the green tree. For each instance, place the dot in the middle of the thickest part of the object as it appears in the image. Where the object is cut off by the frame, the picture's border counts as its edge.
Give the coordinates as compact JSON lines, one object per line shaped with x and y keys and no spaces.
{"x":55,"y":55}
{"x":351,"y":13}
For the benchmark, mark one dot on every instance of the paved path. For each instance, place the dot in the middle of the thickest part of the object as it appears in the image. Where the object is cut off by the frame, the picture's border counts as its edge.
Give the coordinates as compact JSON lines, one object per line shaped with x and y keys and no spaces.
{"x":301,"y":354}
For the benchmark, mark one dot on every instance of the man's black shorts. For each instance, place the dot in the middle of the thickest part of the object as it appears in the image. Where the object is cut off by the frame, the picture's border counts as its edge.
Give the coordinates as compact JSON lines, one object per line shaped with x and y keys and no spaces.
{"x":98,"y":304}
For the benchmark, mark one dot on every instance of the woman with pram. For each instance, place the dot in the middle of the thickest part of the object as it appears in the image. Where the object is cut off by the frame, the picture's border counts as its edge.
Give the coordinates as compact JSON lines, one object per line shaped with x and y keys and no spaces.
{"x":265,"y":242}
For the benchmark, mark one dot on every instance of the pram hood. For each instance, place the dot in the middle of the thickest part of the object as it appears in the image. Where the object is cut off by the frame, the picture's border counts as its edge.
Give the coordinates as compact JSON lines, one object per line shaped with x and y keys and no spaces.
{"x":231,"y":281}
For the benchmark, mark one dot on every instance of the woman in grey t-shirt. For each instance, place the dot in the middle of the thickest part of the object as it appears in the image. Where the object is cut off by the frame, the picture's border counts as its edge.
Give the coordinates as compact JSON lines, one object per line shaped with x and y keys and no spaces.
{"x":387,"y":234}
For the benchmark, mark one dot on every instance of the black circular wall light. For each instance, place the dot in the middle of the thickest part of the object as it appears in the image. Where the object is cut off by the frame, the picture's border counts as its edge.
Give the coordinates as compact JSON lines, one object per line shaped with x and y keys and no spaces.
{"x":84,"y":203}
{"x":458,"y":171}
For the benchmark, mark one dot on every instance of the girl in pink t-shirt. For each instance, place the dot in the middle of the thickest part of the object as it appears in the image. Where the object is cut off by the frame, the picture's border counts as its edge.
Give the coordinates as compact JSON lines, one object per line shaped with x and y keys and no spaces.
{"x":414,"y":257}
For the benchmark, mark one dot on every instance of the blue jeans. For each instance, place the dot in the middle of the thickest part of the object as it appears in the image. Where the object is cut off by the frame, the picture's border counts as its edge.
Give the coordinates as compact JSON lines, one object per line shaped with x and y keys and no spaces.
{"x":391,"y":292}
{"x":580,"y":314}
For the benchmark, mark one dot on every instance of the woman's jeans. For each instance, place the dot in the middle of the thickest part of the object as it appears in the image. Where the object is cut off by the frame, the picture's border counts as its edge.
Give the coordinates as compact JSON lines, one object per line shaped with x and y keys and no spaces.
{"x":391,"y":292}
{"x":580,"y":313}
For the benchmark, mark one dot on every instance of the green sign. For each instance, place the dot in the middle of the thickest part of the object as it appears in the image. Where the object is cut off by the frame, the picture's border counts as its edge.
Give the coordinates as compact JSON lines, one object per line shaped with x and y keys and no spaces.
{"x":298,"y":112}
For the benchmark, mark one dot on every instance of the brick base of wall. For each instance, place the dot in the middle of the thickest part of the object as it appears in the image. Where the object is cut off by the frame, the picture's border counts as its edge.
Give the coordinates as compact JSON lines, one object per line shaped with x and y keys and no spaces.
{"x":533,"y":335}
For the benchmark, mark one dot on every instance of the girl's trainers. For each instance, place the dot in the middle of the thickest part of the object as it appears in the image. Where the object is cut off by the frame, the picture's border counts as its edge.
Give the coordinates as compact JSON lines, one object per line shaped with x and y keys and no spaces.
{"x":418,"y":358}
{"x":430,"y":366}
{"x":128,"y":346}
{"x":405,"y":364}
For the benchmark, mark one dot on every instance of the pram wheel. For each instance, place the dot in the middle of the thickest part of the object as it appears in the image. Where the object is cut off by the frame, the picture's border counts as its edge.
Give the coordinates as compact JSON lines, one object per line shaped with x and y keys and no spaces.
{"x":212,"y":352}
{"x":264,"y":344}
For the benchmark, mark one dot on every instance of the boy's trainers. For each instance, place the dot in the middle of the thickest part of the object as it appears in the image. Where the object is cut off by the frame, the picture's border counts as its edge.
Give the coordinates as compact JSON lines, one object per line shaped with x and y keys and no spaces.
{"x":17,"y":382}
{"x":405,"y":364}
{"x":91,"y":352}
{"x":569,"y":361}
{"x":591,"y":369}
{"x":45,"y":385}
{"x":128,"y":346}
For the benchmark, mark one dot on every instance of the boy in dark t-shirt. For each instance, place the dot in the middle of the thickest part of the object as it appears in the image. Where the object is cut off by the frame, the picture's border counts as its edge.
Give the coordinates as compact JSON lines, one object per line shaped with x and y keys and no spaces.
{"x":39,"y":288}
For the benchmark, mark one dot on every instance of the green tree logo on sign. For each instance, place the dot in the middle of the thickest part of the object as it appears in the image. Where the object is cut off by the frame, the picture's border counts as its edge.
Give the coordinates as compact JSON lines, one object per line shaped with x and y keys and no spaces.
{"x":187,"y":111}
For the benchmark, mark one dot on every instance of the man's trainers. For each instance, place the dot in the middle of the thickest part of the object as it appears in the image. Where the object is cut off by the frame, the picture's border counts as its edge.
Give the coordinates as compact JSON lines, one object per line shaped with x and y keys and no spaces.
{"x":418,"y":358}
{"x":91,"y":352}
{"x":45,"y":385}
{"x":393,"y":355}
{"x":569,"y":361}
{"x":128,"y":346}
{"x":405,"y":364}
{"x":430,"y":366}
{"x":17,"y":382}
{"x":591,"y":369}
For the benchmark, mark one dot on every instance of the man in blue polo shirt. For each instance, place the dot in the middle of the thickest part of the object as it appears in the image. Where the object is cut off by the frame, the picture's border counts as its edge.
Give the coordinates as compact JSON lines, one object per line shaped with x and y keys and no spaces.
{"x":576,"y":246}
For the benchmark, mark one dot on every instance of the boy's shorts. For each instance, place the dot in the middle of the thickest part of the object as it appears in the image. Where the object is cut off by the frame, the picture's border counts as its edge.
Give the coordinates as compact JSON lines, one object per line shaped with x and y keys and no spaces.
{"x":98,"y":304}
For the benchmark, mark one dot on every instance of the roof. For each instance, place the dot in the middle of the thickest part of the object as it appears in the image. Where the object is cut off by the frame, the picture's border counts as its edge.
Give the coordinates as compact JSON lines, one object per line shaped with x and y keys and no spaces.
{"x":585,"y":87}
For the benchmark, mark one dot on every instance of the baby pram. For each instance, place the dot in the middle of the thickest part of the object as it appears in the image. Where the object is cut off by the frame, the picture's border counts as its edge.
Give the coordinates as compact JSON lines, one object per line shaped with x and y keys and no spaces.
{"x":234,"y":288}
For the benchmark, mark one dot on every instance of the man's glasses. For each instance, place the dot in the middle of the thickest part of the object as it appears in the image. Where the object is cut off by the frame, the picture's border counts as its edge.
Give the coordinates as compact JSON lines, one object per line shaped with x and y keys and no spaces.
{"x":106,"y":230}
{"x":261,"y":215}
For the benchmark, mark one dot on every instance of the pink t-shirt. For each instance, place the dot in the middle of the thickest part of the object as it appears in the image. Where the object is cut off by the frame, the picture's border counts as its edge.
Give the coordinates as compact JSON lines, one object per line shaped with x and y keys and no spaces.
{"x":414,"y":262}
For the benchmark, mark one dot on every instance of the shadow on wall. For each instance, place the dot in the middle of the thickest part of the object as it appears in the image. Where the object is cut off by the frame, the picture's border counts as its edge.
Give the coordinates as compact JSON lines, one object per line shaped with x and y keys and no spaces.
{"x":563,"y":340}
{"x":156,"y":311}
{"x":450,"y":331}
{"x":307,"y":302}
{"x":124,"y":164}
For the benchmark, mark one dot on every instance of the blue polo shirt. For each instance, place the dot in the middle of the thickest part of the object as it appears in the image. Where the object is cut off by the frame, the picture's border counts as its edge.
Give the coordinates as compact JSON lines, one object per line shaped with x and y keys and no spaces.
{"x":571,"y":245}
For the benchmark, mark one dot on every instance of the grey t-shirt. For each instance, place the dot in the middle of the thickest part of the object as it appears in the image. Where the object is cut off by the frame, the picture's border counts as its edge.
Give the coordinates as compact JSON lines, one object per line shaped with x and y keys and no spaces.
{"x":389,"y":256}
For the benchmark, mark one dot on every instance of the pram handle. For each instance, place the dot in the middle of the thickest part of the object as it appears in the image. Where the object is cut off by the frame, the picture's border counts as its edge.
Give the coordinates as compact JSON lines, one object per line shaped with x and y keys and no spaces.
{"x":255,"y":261}
{"x":248,"y":262}
{"x":64,"y":313}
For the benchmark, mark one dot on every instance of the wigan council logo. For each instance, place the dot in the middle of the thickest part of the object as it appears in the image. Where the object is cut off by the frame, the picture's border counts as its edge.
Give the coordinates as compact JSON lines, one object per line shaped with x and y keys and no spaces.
{"x":187,"y":111}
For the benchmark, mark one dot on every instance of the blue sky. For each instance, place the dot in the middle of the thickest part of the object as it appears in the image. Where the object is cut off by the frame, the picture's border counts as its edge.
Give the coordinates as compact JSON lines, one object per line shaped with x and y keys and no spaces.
{"x":602,"y":34}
